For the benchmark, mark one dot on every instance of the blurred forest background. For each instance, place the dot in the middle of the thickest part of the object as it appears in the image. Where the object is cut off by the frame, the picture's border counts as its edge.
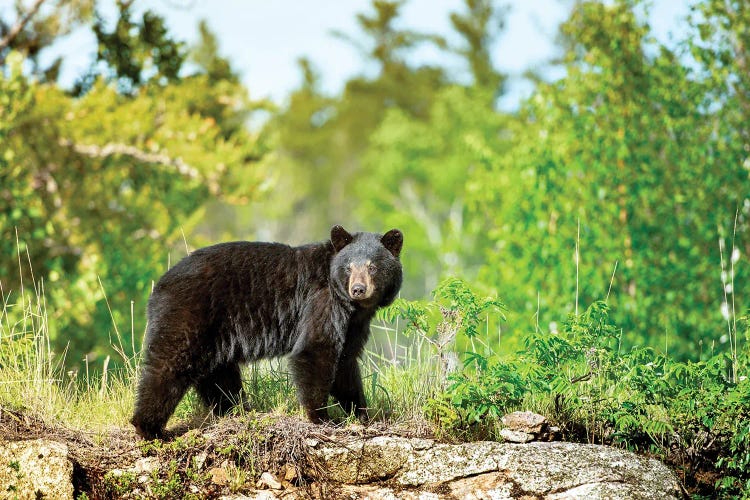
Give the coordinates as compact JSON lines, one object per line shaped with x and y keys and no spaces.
{"x":625,"y":179}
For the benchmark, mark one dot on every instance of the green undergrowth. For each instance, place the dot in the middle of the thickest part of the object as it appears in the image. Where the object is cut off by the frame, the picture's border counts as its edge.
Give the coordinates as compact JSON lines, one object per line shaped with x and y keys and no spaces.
{"x":695,"y":415}
{"x":439,"y":362}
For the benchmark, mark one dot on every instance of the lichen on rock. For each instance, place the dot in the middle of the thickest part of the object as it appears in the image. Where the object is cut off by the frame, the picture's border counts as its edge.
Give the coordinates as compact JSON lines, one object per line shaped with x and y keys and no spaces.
{"x":36,"y":468}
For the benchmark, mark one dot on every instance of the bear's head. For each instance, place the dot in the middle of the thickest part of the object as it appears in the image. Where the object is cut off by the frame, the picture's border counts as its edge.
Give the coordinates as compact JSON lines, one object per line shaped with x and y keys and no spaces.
{"x":365,"y":269}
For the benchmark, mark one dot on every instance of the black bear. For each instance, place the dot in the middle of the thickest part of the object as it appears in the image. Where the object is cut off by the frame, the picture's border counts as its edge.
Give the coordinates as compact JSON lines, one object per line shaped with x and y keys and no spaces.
{"x":237,"y":302}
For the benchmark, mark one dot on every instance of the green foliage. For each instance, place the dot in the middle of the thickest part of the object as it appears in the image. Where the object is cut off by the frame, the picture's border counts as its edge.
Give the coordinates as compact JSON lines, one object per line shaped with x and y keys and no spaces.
{"x":133,"y":53}
{"x":456,"y":308}
{"x":319,"y":141}
{"x":480,"y":26}
{"x":487,"y":392}
{"x":166,"y":482}
{"x":31,"y":27}
{"x":689,"y":413}
{"x":431,"y":159}
{"x":96,"y":190}
{"x":600,"y":182}
{"x":119,"y":484}
{"x":738,"y":462}
{"x":460,"y":300}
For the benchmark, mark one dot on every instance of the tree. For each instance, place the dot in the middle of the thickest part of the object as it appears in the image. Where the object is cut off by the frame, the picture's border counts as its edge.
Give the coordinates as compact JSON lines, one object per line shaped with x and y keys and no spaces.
{"x":480,"y":26}
{"x":134,"y":52}
{"x":418,"y":168}
{"x":621,"y":145}
{"x":36,"y":25}
{"x":418,"y":176}
{"x":102,"y":187}
{"x":319,"y":140}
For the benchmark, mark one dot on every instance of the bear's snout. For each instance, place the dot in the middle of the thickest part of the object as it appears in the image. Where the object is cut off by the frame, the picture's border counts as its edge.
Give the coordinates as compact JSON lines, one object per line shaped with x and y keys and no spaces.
{"x":360,"y":282}
{"x":358,"y":290}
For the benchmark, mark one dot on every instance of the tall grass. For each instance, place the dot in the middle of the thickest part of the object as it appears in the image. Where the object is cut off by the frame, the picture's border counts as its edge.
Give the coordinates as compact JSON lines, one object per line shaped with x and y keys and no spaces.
{"x":34,"y":379}
{"x":400,"y":374}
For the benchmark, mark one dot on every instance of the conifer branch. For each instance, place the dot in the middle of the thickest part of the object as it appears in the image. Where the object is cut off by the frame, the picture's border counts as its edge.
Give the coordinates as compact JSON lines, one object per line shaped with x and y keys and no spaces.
{"x":20,"y":24}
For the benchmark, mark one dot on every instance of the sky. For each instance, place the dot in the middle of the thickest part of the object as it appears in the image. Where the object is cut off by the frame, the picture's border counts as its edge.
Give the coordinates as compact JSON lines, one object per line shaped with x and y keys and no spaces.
{"x":264,"y":38}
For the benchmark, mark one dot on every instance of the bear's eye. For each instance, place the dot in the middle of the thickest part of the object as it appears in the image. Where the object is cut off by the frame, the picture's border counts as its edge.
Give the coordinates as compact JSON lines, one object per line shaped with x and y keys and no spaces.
{"x":372,"y":268}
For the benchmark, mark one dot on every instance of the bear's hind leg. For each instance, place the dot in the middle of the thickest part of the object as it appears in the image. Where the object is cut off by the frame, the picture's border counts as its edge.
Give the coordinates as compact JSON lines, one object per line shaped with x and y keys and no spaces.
{"x":156,"y":400}
{"x":221,"y":390}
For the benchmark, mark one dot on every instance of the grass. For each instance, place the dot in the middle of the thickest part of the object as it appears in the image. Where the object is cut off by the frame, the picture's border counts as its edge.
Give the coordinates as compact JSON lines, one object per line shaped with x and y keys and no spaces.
{"x":34,"y":379}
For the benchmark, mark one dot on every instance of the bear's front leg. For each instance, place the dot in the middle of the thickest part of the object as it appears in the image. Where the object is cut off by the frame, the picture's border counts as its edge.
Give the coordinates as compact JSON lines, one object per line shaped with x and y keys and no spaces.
{"x":313,"y":368}
{"x":347,"y":388}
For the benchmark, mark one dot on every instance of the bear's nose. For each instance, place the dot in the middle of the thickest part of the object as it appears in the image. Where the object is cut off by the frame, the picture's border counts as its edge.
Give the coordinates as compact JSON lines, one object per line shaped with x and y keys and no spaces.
{"x":358,"y":290}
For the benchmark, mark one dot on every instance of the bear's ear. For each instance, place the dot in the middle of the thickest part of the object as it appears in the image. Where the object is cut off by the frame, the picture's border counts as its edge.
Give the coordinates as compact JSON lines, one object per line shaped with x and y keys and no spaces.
{"x":393,"y":240}
{"x":340,"y":237}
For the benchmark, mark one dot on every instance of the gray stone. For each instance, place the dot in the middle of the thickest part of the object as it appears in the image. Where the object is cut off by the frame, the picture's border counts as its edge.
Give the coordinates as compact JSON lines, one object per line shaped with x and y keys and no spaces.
{"x":445,"y":462}
{"x":516,"y":436}
{"x":362,"y":461}
{"x":394,"y":468}
{"x":525,"y":421}
{"x":33,"y":469}
{"x":552,"y":470}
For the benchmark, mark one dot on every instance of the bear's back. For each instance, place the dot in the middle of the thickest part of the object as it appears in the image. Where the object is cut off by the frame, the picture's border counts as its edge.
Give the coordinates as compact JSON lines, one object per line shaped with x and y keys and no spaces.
{"x":241,"y":291}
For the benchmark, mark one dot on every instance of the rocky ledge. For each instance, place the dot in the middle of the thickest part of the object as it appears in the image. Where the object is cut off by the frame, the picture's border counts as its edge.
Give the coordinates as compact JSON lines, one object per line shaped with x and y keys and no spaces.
{"x":388,"y":467}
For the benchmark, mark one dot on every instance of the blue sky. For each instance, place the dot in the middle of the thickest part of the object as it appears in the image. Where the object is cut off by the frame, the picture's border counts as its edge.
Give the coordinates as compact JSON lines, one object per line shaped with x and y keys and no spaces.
{"x":264,"y":38}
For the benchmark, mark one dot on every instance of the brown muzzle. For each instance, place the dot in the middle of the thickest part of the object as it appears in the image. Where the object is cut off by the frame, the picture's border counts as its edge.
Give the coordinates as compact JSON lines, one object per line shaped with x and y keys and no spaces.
{"x":361,"y":286}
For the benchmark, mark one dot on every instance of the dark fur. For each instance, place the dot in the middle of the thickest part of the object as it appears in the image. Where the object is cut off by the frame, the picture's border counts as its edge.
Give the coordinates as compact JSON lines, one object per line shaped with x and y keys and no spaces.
{"x":233,"y":303}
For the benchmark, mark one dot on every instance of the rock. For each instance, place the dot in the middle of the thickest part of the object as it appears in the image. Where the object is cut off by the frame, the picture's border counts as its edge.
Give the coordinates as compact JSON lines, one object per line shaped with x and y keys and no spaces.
{"x":371,"y":492}
{"x":406,"y":468}
{"x":388,"y":467}
{"x":525,"y":421}
{"x":445,"y":462}
{"x":145,"y":465}
{"x":200,"y":460}
{"x":516,"y":436}
{"x":526,"y":426}
{"x":570,"y":470}
{"x":483,"y":486}
{"x":362,"y":461}
{"x":36,"y":468}
{"x":267,"y":480}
